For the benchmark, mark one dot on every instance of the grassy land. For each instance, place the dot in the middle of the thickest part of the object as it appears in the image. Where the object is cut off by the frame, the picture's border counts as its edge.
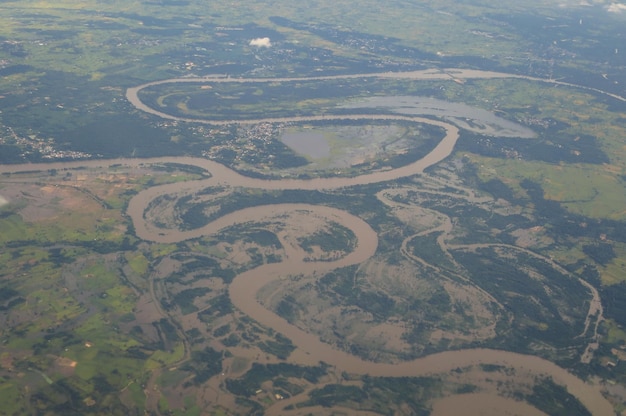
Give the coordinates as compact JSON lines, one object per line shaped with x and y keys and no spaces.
{"x":590,"y":190}
{"x":66,"y":302}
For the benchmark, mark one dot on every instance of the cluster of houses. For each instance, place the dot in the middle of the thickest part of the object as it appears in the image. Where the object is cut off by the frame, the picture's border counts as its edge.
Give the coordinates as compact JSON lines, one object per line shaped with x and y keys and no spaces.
{"x":44,"y":148}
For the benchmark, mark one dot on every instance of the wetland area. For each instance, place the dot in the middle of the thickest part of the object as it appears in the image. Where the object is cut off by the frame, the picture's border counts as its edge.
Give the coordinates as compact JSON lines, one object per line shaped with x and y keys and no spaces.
{"x":310,"y":349}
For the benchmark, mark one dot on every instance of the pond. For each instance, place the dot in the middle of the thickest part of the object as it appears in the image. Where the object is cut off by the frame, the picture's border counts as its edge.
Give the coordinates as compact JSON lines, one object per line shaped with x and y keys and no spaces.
{"x":311,"y":144}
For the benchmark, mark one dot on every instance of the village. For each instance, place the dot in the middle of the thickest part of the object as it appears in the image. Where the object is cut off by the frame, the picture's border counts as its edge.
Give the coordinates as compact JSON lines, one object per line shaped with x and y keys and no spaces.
{"x":33,"y":148}
{"x":255,"y":144}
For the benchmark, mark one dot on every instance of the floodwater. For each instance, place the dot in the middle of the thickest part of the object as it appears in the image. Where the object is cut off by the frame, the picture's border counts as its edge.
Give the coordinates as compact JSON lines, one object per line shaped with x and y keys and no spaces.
{"x":481,"y":404}
{"x":310,"y":349}
{"x":310,"y":144}
{"x":461,"y":115}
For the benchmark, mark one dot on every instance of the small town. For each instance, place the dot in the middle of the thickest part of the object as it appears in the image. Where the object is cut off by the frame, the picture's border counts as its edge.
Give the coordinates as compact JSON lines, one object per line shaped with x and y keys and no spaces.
{"x":33,"y":147}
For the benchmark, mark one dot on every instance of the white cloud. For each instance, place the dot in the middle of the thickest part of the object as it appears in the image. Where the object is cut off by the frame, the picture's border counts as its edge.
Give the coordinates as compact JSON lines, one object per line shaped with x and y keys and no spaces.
{"x":261,"y":42}
{"x":609,"y":6}
{"x":612,"y":6}
{"x":574,"y":4}
{"x":616,"y":8}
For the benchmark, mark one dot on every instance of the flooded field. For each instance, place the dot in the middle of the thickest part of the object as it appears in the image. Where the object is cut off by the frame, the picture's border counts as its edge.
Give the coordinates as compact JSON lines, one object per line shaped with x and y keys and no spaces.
{"x":311,"y":350}
{"x":476,"y":404}
{"x":461,"y":115}
{"x":311,"y":144}
{"x":245,"y":286}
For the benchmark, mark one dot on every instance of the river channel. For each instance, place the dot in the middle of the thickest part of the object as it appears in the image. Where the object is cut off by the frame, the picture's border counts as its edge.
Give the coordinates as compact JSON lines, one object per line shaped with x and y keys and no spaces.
{"x":243,"y":289}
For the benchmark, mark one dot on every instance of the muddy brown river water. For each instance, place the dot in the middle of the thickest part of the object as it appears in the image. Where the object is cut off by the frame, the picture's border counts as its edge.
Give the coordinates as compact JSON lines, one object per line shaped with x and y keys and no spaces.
{"x":243,"y":289}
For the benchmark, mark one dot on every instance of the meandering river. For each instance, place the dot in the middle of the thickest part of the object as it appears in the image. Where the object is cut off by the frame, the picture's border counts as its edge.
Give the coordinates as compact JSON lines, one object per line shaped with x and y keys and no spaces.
{"x":243,"y":289}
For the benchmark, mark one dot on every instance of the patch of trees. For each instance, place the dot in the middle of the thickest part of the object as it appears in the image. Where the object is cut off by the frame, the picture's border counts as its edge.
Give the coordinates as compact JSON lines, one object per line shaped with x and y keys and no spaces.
{"x":288,"y":308}
{"x":231,"y":341}
{"x":10,"y":153}
{"x":412,"y":392}
{"x":554,"y":300}
{"x":334,"y":394}
{"x":601,"y":253}
{"x":334,"y":238}
{"x":221,"y":331}
{"x":554,"y":399}
{"x":173,"y":167}
{"x":551,"y":147}
{"x":58,"y":256}
{"x":139,"y":352}
{"x":106,"y":246}
{"x":184,"y":300}
{"x":119,"y":135}
{"x":192,"y":215}
{"x":281,"y":346}
{"x":9,"y":298}
{"x":219,"y":306}
{"x":208,"y":265}
{"x":340,"y":283}
{"x":195,"y":262}
{"x":167,"y":331}
{"x":498,"y":189}
{"x":204,"y":364}
{"x":614,"y":302}
{"x":290,"y":388}
{"x":427,"y":248}
{"x":264,"y":238}
{"x":248,"y":384}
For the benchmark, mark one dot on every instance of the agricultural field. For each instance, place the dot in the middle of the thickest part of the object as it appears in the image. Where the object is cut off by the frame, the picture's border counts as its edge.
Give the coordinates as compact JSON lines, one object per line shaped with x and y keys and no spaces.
{"x":284,"y":208}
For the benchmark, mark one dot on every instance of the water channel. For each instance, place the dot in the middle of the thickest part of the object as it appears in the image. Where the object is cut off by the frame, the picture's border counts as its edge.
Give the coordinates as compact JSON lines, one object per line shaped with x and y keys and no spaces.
{"x":243,"y":289}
